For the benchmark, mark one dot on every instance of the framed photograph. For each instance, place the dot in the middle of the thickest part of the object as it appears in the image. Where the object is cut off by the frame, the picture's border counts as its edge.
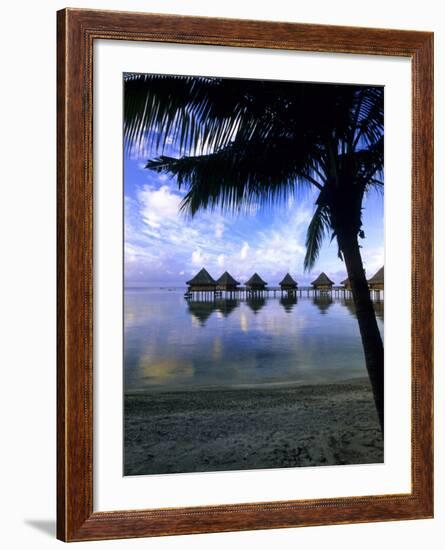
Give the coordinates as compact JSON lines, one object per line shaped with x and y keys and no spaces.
{"x":245,"y":260}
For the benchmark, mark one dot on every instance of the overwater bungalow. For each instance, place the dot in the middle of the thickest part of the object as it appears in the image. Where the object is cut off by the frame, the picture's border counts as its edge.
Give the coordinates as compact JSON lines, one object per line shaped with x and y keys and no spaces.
{"x":255,"y":284}
{"x":227,"y":282}
{"x":288,"y":283}
{"x":322,"y":283}
{"x":376,"y":282}
{"x":346,"y":284}
{"x":202,"y":282}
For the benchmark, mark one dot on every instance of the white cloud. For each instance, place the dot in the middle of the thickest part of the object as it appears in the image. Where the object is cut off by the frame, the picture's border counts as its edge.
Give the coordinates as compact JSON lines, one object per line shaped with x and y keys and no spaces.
{"x":197,"y":257}
{"x":244,"y":250}
{"x":373,"y":259}
{"x":158,"y":205}
{"x":240,"y":244}
{"x":160,"y":240}
{"x":219,"y":230}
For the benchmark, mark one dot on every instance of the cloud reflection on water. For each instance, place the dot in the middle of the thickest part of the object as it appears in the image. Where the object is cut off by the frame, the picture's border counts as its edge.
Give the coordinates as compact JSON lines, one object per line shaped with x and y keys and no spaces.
{"x":172,"y":343}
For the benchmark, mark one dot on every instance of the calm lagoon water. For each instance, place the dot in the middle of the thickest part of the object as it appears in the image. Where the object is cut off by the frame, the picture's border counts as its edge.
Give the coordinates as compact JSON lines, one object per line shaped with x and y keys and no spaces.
{"x":172,"y":344}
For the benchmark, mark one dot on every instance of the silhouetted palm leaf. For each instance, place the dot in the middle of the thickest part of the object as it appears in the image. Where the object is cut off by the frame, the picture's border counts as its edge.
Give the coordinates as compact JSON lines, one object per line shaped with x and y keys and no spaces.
{"x":243,"y":173}
{"x":243,"y":142}
{"x":318,"y":229}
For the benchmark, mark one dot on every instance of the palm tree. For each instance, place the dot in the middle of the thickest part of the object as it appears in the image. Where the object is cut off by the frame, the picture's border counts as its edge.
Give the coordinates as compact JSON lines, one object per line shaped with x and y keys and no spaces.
{"x":244,"y":142}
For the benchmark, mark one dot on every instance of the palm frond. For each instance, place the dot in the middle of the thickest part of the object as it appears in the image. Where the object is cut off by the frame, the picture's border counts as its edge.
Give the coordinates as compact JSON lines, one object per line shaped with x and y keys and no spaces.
{"x":369,"y":125}
{"x":242,"y":174}
{"x":195,"y":114}
{"x":317,"y":230}
{"x":244,"y":142}
{"x":369,"y":163}
{"x":198,"y":115}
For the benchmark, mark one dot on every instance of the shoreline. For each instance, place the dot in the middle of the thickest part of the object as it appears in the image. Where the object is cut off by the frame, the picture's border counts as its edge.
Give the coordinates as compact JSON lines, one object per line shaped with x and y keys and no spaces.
{"x":243,"y":428}
{"x":241,"y":387}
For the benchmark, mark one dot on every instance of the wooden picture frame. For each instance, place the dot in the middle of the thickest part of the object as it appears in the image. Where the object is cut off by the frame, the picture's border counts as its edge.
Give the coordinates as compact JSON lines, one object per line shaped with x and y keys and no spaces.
{"x":77,"y":31}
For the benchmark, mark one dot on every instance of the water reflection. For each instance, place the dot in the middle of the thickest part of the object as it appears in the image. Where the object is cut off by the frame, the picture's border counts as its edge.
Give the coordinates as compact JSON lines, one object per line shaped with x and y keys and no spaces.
{"x":165,"y":371}
{"x":226,"y":306}
{"x":256,"y":303}
{"x":348,"y":303}
{"x":173,"y":343}
{"x":201,"y":310}
{"x":288,"y":302}
{"x":379,"y":309}
{"x":323,"y":302}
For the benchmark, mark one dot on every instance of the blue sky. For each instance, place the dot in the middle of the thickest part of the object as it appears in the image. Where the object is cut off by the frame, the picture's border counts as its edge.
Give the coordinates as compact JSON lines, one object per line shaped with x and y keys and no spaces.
{"x":163,"y":247}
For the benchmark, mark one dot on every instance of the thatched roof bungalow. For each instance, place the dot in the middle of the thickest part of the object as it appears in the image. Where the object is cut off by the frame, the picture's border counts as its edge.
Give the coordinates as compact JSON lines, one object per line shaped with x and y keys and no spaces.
{"x":288,"y":283}
{"x":256,"y":283}
{"x":226,"y":282}
{"x":202,"y":281}
{"x":346,"y":284}
{"x":322,"y":282}
{"x":376,"y":282}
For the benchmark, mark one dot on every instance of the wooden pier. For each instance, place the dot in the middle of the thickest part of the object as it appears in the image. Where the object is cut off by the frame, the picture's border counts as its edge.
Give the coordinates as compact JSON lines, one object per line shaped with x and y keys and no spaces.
{"x":202,"y":287}
{"x":244,"y":293}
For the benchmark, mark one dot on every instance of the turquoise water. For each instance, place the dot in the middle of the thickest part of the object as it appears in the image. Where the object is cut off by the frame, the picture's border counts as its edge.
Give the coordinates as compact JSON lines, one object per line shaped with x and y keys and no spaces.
{"x":171,"y":344}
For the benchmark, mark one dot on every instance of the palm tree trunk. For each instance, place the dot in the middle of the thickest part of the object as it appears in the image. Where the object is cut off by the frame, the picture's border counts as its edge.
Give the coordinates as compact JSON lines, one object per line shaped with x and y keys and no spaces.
{"x":369,"y":331}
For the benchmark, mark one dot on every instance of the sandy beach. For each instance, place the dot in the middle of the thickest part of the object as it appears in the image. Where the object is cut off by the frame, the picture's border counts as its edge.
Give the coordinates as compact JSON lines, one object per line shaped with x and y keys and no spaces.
{"x":233,"y":429}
